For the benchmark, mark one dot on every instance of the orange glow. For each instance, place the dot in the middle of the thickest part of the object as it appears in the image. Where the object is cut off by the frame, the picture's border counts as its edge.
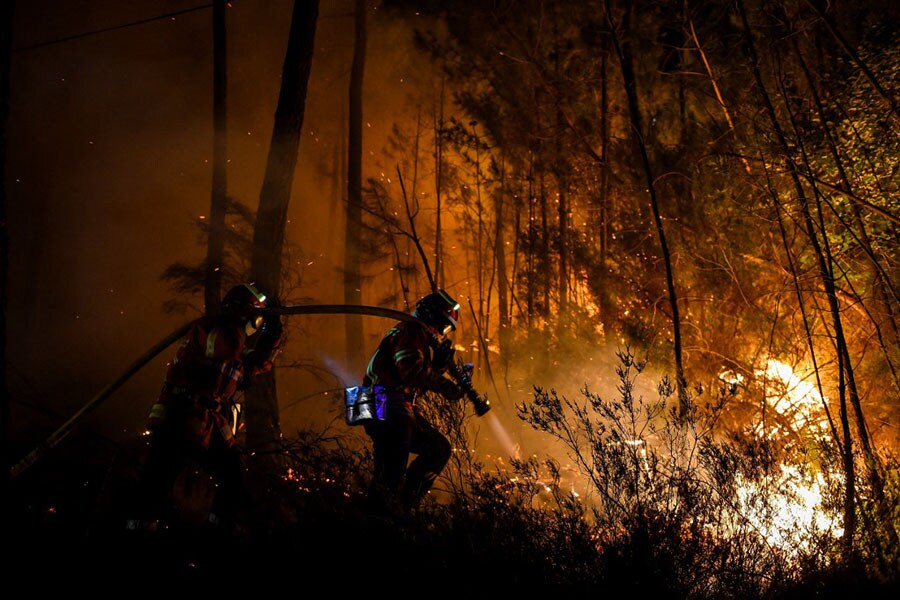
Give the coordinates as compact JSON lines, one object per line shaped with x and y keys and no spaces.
{"x":794,"y":512}
{"x":793,"y":397}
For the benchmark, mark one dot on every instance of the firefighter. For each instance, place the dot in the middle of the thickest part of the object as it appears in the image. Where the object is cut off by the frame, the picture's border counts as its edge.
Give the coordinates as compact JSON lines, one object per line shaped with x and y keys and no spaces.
{"x":408,"y":362}
{"x":196,"y":415}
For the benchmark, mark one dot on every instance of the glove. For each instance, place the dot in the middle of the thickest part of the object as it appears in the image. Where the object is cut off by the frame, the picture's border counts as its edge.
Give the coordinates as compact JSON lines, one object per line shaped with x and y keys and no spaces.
{"x":272,"y":327}
{"x":269,"y":340}
{"x":443,"y":356}
{"x":449,"y":390}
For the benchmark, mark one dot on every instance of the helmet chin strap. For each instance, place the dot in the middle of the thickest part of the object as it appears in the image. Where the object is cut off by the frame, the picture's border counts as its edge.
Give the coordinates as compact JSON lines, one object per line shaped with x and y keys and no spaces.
{"x":252,"y":325}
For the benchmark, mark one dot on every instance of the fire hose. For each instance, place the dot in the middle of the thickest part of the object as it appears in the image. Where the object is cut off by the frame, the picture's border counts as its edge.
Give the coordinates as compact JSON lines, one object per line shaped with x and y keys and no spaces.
{"x":57,"y":437}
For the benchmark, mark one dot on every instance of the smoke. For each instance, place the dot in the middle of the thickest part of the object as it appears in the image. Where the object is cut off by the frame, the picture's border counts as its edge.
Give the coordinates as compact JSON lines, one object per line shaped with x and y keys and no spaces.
{"x":339,"y":371}
{"x":568,"y":368}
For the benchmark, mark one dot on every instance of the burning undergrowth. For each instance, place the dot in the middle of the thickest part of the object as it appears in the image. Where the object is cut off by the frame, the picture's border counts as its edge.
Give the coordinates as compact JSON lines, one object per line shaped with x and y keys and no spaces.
{"x":670,"y":505}
{"x":644,"y":501}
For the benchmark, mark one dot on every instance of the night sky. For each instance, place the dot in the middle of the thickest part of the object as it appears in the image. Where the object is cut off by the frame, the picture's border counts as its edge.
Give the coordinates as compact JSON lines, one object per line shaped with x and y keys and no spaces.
{"x":110,"y":143}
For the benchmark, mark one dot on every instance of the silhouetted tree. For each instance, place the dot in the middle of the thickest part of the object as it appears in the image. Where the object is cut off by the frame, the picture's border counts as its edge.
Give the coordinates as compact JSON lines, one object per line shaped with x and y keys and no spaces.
{"x":622,"y":46}
{"x":215,"y":249}
{"x":352,"y":277}
{"x":263,"y":423}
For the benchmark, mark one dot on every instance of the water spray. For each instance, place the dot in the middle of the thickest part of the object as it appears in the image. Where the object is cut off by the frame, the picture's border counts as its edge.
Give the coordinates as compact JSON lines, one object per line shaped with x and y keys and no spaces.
{"x":462,"y":375}
{"x":511,"y":449}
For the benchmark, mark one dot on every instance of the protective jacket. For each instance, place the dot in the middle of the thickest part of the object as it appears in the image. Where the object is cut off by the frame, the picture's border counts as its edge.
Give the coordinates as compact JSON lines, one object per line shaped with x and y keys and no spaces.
{"x":404,"y":362}
{"x":213,"y":363}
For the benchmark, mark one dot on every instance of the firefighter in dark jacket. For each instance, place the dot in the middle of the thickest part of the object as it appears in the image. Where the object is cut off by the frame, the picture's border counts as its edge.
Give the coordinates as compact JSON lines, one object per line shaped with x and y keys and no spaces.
{"x":407,"y":363}
{"x":196,"y":415}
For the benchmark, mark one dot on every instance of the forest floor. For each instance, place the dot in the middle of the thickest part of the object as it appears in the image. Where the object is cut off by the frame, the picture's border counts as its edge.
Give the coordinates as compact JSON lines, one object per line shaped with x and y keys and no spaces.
{"x":65,"y":529}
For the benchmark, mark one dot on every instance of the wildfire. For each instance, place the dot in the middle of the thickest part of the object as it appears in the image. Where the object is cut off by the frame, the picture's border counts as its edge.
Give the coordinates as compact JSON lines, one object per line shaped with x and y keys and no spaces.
{"x":793,"y":509}
{"x":794,"y":397}
{"x":793,"y":514}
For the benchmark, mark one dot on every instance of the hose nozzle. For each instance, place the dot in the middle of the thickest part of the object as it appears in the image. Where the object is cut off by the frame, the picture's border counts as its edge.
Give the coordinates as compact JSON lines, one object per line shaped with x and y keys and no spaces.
{"x":482,"y":406}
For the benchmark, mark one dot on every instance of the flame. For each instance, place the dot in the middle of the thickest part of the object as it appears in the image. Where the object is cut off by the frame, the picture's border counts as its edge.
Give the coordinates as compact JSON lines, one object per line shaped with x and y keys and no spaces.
{"x":793,"y":514}
{"x":794,"y":508}
{"x":794,"y":398}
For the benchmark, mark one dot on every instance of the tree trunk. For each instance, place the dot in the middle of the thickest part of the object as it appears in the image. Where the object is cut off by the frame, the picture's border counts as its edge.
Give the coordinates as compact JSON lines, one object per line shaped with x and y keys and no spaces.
{"x":479,"y":237}
{"x":530,"y":287}
{"x":544,"y":261}
{"x":438,"y":182}
{"x":624,"y":53}
{"x":850,"y":522}
{"x":560,"y":167}
{"x":263,"y":425}
{"x":352,"y":277}
{"x":606,"y":314}
{"x":825,"y":272}
{"x":500,"y":257}
{"x":215,"y":249}
{"x":6,"y":28}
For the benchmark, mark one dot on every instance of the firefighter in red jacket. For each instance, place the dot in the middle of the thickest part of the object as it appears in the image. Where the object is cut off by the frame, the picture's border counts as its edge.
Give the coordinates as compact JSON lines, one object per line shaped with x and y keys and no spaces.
{"x":407,"y":363}
{"x":197,"y":412}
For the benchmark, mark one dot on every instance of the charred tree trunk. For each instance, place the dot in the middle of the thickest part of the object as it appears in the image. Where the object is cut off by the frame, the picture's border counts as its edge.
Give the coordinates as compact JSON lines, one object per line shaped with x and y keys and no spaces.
{"x":352,"y":277}
{"x":479,"y":234}
{"x":850,"y":521}
{"x":563,"y":214}
{"x":516,"y":250}
{"x":337,"y":208}
{"x":215,"y":249}
{"x":530,"y":281}
{"x":263,"y":423}
{"x":545,"y":251}
{"x":604,"y":175}
{"x":623,"y":51}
